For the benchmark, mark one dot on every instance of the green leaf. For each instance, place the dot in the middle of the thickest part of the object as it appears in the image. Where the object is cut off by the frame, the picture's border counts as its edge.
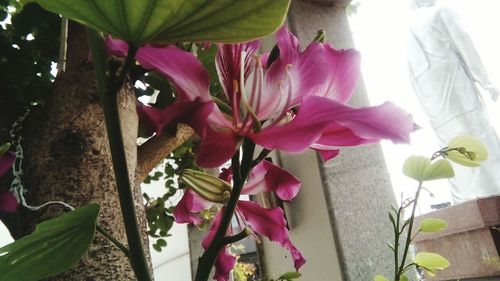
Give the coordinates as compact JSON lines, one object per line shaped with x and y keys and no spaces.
{"x":55,"y":246}
{"x":157,"y":247}
{"x":380,"y":278}
{"x":432,"y":225}
{"x":475,"y":151}
{"x":170,"y":21}
{"x":404,"y":278}
{"x":207,"y":58}
{"x":431,"y":262}
{"x":161,"y":242}
{"x":393,"y":221}
{"x":3,"y":148}
{"x":290,"y":275}
{"x":420,"y":168}
{"x":24,"y":2}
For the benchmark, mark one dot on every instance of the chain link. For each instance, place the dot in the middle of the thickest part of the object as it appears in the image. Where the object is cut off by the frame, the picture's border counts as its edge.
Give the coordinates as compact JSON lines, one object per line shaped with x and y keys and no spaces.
{"x":16,"y":186}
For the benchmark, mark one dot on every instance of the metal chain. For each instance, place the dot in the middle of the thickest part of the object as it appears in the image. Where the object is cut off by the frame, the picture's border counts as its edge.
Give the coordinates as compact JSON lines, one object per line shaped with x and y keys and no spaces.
{"x":16,"y":186}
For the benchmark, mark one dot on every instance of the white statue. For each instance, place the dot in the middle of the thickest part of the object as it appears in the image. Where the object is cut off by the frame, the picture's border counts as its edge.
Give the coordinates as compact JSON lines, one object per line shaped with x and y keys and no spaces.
{"x":445,"y":69}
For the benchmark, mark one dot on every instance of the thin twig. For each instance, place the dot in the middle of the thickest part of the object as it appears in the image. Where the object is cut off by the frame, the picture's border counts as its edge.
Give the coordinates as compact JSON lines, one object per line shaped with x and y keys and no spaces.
{"x":117,"y":243}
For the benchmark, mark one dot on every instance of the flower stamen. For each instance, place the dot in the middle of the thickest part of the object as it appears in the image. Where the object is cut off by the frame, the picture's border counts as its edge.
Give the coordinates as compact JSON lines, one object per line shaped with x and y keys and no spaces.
{"x":250,"y":114}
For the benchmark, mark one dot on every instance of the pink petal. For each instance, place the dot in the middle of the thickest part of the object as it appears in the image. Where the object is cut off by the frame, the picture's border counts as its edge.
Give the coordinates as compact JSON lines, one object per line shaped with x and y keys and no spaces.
{"x":224,"y":263}
{"x":226,"y":174}
{"x":264,"y":58}
{"x":188,"y":206}
{"x":270,"y":223}
{"x":342,"y":68}
{"x":328,"y":154}
{"x":213,"y":229}
{"x":288,"y":44}
{"x":228,"y":64}
{"x":336,"y":135}
{"x":216,"y":148}
{"x":317,"y":114}
{"x":8,"y":203}
{"x":294,"y":73}
{"x":182,"y":68}
{"x":298,"y":259}
{"x":272,"y":178}
{"x":116,"y":47}
{"x":339,"y":135}
{"x":6,"y":161}
{"x":194,"y":113}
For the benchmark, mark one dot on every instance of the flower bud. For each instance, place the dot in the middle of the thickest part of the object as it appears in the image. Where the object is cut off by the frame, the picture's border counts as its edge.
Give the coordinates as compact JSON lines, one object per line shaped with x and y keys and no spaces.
{"x":206,"y":186}
{"x":320,"y":36}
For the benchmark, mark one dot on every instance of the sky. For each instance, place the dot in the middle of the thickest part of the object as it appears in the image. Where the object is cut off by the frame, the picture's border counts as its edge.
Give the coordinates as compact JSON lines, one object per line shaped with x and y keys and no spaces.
{"x":380,"y":30}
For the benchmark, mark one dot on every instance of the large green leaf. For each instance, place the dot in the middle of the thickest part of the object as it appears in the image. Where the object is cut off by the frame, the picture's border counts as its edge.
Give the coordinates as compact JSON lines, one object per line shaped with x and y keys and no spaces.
{"x":431,"y":262}
{"x":55,"y":246}
{"x":470,"y":152}
{"x":169,"y":21}
{"x":420,"y":168}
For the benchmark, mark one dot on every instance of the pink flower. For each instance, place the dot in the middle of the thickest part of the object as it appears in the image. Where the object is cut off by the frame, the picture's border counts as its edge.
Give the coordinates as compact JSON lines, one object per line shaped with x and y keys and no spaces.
{"x":8,"y":203}
{"x":299,"y":101}
{"x":268,"y":222}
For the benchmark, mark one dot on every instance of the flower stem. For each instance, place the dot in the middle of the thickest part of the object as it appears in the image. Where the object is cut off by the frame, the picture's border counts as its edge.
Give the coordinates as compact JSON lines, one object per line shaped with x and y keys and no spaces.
{"x":117,"y":243}
{"x":263,"y":154}
{"x":408,"y":235}
{"x":237,"y":237}
{"x":396,"y":244}
{"x":108,"y":89}
{"x":240,"y":174}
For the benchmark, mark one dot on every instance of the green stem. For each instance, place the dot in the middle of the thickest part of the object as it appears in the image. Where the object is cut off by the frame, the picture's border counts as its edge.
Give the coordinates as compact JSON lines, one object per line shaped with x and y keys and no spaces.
{"x":408,"y":267}
{"x":408,"y":235}
{"x":396,"y":244}
{"x":237,"y":237}
{"x":117,"y":243}
{"x":263,"y":154}
{"x":109,"y":94}
{"x":240,"y":173}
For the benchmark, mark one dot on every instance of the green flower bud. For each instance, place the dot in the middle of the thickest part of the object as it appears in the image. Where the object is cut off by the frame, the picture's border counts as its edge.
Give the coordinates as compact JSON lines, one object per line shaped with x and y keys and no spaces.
{"x":320,"y":36}
{"x":207,"y":186}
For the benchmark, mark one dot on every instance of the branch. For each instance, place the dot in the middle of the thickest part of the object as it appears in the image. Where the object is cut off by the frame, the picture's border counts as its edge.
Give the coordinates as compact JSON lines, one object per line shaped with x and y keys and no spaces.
{"x":117,"y":243}
{"x":158,"y":148}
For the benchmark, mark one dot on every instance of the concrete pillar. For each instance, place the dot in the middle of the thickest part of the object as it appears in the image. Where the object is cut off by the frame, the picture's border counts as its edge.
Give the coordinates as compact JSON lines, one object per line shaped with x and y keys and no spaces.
{"x":309,"y":223}
{"x":356,"y":184}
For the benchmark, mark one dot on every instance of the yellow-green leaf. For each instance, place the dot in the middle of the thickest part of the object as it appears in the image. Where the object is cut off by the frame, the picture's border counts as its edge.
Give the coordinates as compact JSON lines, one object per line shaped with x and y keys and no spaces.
{"x":380,"y":278}
{"x":4,"y":148}
{"x":291,"y":275}
{"x":431,"y":262}
{"x":432,"y":225}
{"x":404,"y":278}
{"x":170,"y":21}
{"x":420,"y":168}
{"x":473,"y":147}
